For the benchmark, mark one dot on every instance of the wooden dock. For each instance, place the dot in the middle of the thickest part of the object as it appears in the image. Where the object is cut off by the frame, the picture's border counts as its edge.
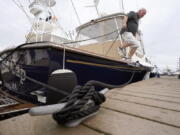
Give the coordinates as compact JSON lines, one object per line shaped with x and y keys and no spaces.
{"x":150,"y":107}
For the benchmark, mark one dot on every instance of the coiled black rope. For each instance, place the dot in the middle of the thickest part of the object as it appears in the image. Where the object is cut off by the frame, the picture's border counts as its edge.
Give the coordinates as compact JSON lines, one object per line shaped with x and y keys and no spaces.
{"x":82,"y":102}
{"x":105,"y":85}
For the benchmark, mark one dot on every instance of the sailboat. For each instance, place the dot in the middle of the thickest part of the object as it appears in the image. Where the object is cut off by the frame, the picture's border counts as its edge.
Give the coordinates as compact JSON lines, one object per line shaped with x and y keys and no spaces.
{"x":51,"y":60}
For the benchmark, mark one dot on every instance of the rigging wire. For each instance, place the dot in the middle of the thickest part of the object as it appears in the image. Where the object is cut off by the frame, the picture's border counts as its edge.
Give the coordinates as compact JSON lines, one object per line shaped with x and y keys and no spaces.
{"x":20,"y":6}
{"x":64,"y":56}
{"x":64,"y":49}
{"x":122,"y":2}
{"x":112,"y":44}
{"x":92,"y":37}
{"x":75,"y":11}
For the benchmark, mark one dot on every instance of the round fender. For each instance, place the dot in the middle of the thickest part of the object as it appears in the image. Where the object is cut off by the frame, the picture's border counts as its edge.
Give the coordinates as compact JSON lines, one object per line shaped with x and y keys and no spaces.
{"x":61,"y":79}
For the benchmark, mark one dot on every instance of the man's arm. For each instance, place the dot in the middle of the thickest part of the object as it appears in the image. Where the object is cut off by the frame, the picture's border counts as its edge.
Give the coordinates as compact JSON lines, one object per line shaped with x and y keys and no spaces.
{"x":130,"y":15}
{"x":124,"y":25}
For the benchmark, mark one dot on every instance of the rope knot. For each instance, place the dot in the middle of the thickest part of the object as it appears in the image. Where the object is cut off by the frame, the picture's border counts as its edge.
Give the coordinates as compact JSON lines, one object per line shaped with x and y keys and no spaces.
{"x":83,"y":101}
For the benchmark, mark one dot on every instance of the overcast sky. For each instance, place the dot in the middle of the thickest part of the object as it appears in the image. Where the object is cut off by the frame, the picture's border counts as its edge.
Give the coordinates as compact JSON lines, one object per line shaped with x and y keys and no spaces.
{"x":160,"y":26}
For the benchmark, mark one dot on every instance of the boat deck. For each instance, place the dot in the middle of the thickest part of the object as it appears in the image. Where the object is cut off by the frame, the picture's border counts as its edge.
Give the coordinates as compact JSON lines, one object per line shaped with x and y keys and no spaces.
{"x":150,"y":107}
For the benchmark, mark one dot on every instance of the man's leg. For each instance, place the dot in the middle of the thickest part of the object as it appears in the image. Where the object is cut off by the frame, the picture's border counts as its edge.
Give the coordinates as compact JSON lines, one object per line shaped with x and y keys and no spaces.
{"x":126,"y":36}
{"x":132,"y":52}
{"x":126,"y":45}
{"x":130,"y":41}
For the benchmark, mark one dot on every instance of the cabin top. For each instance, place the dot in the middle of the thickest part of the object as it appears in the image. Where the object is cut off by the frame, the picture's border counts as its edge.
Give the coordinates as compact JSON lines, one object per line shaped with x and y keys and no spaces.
{"x":104,"y":18}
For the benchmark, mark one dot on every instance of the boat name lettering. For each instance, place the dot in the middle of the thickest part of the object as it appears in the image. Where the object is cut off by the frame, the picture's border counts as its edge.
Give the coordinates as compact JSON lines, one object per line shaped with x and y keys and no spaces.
{"x":16,"y":70}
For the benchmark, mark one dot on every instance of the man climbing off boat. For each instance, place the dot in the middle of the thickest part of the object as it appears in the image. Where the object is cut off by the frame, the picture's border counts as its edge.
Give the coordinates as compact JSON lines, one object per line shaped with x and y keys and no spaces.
{"x":130,"y":29}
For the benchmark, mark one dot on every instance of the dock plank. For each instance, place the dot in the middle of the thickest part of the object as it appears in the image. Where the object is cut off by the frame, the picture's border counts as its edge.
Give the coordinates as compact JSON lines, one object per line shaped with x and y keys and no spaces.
{"x":145,"y":95}
{"x":165,"y":83}
{"x":145,"y":101}
{"x":155,"y":114}
{"x":117,"y":123}
{"x":40,"y":125}
{"x":162,"y":93}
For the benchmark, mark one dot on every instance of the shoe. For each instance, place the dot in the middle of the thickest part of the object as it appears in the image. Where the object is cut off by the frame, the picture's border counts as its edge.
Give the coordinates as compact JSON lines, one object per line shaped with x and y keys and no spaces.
{"x":128,"y":60}
{"x":133,"y":63}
